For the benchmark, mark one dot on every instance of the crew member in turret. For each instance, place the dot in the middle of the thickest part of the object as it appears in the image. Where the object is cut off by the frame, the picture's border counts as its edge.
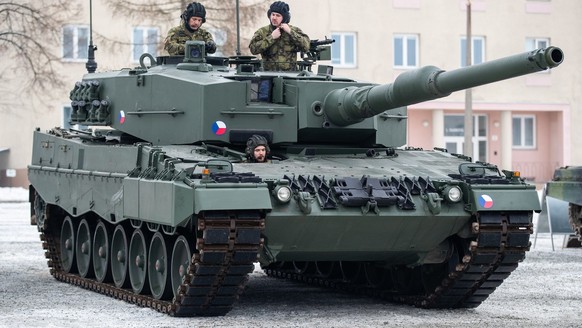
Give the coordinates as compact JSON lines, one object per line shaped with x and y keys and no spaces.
{"x":189,"y":30}
{"x":279,"y":42}
{"x":257,"y":149}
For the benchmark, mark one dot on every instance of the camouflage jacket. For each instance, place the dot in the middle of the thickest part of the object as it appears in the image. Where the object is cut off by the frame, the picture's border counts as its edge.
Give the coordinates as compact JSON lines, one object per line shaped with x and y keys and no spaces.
{"x":177,"y":37}
{"x":279,"y":54}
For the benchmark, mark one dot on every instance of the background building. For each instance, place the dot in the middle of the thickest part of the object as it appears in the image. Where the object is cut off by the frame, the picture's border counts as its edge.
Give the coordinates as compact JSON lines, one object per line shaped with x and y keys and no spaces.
{"x":527,"y":123}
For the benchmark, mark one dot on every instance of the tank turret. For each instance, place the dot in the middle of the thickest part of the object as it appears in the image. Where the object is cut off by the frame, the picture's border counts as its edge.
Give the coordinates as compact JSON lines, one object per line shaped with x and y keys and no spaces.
{"x":198,"y":99}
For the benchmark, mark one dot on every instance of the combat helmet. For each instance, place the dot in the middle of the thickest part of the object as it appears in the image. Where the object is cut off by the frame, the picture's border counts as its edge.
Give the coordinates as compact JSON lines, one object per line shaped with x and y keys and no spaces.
{"x":195,"y":9}
{"x":253,"y":142}
{"x":281,"y":8}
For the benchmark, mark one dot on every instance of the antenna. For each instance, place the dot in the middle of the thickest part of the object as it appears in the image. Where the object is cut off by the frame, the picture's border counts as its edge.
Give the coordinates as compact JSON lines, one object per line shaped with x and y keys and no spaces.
{"x":91,"y":64}
{"x":237,"y":31}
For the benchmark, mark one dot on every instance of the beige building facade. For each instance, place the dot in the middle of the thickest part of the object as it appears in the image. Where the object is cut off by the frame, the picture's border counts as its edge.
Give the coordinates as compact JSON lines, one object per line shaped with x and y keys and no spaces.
{"x":527,"y":123}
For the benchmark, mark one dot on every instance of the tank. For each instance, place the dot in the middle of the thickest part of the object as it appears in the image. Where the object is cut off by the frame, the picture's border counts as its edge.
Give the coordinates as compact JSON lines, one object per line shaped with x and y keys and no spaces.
{"x":151,"y":198}
{"x":566,"y":185}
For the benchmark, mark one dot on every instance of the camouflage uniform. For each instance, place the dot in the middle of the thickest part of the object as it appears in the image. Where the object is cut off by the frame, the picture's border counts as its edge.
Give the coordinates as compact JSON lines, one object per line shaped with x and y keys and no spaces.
{"x":279,"y":54}
{"x":178,"y":36}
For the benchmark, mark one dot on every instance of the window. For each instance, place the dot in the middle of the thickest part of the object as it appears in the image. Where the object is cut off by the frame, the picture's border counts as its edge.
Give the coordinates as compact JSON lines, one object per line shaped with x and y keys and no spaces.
{"x":524,"y":131}
{"x":145,"y":39}
{"x":405,"y":51}
{"x":536,"y":43}
{"x":477,"y":49}
{"x":343,"y":50}
{"x":75,"y":42}
{"x":455,"y":135}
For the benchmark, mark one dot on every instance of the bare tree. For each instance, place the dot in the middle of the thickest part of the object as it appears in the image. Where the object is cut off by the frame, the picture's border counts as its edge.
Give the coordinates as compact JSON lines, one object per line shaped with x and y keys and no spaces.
{"x":28,"y":32}
{"x":220,"y":16}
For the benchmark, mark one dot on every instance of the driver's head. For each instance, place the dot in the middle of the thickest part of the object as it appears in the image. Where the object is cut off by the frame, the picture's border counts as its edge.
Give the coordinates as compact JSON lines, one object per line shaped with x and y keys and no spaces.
{"x":257,"y":149}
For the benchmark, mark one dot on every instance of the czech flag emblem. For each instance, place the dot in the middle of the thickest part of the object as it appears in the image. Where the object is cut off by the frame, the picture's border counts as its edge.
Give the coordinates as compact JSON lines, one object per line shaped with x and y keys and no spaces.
{"x":486,"y":201}
{"x":219,"y":128}
{"x":121,"y":117}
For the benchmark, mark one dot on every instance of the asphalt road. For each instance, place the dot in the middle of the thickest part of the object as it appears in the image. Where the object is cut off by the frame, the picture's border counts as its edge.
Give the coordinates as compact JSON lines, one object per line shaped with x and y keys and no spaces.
{"x":545,"y":291}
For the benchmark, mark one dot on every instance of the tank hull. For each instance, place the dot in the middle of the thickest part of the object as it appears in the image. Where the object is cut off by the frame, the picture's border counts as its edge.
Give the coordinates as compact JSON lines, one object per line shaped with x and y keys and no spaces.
{"x":410,"y":225}
{"x":567,"y":186}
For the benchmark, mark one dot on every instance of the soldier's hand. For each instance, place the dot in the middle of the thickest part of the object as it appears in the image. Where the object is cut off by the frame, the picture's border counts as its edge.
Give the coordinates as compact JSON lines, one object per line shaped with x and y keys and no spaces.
{"x":276,"y":33}
{"x":285,"y":28}
{"x":210,"y":47}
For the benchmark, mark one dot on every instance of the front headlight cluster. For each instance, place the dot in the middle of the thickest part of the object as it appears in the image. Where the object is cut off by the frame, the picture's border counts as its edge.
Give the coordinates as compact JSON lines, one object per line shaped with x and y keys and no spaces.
{"x":453,"y":194}
{"x":282,"y":193}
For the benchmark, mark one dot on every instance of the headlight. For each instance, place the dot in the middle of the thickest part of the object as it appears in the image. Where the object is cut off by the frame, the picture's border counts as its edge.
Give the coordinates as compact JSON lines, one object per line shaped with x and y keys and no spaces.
{"x":282,"y":193}
{"x":453,"y":194}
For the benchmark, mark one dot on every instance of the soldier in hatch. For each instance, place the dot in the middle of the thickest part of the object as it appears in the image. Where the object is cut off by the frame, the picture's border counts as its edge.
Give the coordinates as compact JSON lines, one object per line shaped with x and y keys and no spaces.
{"x":257,"y":149}
{"x":279,"y":42}
{"x":190,"y":30}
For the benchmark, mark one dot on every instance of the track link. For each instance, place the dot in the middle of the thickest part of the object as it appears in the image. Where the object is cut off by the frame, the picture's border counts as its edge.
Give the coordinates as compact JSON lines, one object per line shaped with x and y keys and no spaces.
{"x":484,"y":261}
{"x":216,"y":276}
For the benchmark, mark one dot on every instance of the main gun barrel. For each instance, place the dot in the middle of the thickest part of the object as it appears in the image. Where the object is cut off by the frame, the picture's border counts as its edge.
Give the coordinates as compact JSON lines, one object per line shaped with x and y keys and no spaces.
{"x":353,"y":104}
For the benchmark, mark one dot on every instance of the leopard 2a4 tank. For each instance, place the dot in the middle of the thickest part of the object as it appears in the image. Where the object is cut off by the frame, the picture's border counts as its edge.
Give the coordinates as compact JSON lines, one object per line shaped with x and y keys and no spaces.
{"x":155,"y":202}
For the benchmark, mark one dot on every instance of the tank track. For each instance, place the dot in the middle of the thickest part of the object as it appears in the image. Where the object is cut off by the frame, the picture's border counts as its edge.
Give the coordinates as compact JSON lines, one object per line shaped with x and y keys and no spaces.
{"x":484,"y":261}
{"x":575,"y":218}
{"x":216,"y":275}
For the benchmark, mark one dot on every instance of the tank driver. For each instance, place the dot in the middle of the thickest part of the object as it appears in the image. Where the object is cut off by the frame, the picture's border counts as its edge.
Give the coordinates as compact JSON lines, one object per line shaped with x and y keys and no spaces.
{"x":189,"y":30}
{"x":279,"y":42}
{"x":257,"y":149}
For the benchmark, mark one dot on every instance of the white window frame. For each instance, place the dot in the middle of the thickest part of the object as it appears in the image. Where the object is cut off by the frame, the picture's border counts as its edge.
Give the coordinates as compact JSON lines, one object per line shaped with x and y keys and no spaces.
{"x":340,"y":44}
{"x":522,"y":144}
{"x":473,"y":53}
{"x":80,"y":52}
{"x":143,"y":47}
{"x":405,"y":38}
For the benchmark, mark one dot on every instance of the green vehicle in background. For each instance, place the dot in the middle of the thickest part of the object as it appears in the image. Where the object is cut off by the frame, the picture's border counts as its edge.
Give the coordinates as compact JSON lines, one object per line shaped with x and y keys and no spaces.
{"x":152,"y":200}
{"x":566,"y":185}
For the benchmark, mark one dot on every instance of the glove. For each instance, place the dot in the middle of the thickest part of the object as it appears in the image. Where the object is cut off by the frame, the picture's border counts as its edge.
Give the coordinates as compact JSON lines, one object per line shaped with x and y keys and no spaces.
{"x":210,"y":47}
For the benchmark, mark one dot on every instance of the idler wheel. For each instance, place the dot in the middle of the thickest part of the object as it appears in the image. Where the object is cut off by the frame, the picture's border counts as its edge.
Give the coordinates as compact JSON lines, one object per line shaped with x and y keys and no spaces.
{"x":67,"y":243}
{"x":181,"y":257}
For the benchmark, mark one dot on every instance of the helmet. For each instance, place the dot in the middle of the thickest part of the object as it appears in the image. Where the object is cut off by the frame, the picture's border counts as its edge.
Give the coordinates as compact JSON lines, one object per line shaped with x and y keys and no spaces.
{"x":195,"y":9}
{"x":281,"y":8}
{"x":253,"y":142}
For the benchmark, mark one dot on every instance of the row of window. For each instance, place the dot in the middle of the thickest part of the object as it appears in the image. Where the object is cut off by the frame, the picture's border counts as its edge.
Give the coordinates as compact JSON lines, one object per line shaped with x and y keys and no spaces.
{"x":406,"y":49}
{"x":76,"y":42}
{"x":523,"y":128}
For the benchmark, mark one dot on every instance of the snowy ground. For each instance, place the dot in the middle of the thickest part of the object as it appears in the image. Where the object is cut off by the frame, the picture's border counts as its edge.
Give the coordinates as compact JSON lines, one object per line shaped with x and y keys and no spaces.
{"x":545,"y":291}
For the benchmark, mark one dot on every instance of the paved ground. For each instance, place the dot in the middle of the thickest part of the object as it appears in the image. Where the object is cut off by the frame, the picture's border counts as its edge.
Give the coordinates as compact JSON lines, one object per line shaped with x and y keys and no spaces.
{"x":545,"y":291}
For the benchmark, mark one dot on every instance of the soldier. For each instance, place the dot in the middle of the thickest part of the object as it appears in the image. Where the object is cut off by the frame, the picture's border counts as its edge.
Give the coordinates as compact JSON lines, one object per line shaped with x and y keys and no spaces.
{"x":257,"y":149}
{"x":279,"y":42}
{"x":190,"y":30}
